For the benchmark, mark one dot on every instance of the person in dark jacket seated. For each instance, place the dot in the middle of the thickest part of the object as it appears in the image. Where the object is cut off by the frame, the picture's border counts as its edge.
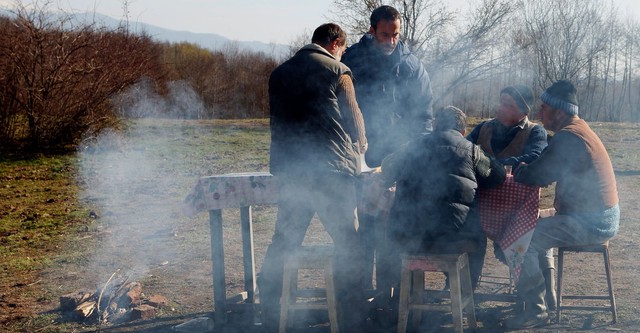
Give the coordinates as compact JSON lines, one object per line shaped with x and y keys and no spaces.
{"x":436,"y":179}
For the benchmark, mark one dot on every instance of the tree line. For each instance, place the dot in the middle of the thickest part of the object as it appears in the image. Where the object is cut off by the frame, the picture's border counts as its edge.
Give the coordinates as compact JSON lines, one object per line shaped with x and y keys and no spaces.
{"x":61,"y":81}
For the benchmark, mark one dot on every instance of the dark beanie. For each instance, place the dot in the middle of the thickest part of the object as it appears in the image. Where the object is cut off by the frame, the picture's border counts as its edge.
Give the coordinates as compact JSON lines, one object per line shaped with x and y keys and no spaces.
{"x":562,"y":95}
{"x":523,"y":96}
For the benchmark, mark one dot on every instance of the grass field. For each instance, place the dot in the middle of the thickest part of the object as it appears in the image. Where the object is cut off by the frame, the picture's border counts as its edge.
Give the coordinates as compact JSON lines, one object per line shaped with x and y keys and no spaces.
{"x":69,"y":222}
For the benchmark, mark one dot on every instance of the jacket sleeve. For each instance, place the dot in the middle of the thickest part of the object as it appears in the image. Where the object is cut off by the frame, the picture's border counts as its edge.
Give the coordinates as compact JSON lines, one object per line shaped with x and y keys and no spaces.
{"x":536,"y":142}
{"x":475,"y":133}
{"x":552,"y":164}
{"x":489,"y":172}
{"x":352,"y":114}
{"x":420,"y":101}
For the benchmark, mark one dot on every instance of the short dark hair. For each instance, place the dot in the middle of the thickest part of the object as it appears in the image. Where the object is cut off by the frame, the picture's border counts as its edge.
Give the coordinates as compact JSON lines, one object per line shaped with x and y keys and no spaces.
{"x":386,"y":13}
{"x":450,"y":117}
{"x":327,"y":33}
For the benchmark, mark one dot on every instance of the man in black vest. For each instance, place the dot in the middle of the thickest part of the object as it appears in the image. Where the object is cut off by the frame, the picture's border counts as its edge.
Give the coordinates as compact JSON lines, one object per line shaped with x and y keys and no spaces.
{"x":317,"y":136}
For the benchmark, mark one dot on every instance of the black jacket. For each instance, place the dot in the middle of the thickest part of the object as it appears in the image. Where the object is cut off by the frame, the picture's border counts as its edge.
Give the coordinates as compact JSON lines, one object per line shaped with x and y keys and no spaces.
{"x":436,"y":178}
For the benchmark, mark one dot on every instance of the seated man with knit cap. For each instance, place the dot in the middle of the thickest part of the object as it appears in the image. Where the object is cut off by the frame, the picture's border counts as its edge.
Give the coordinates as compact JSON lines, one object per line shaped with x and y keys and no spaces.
{"x":513,"y":139}
{"x":586,"y":197}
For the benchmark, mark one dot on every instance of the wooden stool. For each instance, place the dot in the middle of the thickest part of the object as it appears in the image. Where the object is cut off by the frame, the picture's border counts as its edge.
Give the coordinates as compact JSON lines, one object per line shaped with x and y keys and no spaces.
{"x":309,"y":257}
{"x":414,"y":267}
{"x":594,"y":248}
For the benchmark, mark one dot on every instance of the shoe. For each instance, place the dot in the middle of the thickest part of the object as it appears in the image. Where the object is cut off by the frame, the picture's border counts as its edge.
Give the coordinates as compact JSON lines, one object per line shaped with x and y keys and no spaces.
{"x":527,"y":321}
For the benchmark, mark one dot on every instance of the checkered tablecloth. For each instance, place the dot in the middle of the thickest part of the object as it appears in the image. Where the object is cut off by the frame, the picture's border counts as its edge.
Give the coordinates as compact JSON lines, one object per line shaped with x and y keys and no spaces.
{"x":508,"y":215}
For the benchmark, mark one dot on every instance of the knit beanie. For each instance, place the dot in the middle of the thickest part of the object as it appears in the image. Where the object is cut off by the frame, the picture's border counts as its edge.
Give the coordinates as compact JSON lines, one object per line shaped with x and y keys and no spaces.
{"x":561,"y":95}
{"x":522,"y":95}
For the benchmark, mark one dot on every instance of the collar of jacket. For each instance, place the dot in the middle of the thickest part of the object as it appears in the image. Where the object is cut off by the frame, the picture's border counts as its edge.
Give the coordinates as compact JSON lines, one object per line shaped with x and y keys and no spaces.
{"x":316,"y":48}
{"x":399,"y":53}
{"x":495,"y":123}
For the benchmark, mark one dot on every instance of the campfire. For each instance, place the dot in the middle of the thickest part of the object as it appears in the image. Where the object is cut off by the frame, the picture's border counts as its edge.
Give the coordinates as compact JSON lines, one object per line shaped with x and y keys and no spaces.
{"x":118,"y":300}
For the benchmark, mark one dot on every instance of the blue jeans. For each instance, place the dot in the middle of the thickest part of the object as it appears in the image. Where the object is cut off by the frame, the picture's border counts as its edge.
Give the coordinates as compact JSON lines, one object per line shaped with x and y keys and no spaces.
{"x":559,"y":231}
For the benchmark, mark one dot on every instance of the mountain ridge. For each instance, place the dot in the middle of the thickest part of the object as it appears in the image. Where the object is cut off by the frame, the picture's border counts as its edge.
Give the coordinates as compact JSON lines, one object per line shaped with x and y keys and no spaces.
{"x":211,"y":41}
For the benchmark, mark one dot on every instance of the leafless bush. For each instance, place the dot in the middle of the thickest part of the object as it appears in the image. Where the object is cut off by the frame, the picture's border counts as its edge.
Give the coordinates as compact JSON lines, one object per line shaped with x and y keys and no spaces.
{"x":57,"y":78}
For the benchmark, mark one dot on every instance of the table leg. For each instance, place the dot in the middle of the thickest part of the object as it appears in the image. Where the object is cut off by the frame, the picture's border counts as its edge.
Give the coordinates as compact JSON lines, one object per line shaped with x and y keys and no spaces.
{"x":248,"y":253}
{"x":217,"y":259}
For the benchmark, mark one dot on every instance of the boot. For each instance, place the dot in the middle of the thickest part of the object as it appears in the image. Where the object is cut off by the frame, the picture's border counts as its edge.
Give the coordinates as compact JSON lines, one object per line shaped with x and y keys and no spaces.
{"x":535,"y":312}
{"x":550,"y":284}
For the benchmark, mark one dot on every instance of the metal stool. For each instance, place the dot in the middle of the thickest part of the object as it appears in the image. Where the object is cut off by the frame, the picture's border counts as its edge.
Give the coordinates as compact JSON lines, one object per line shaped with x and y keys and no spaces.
{"x":309,"y":257}
{"x":461,"y":293}
{"x":593,"y":248}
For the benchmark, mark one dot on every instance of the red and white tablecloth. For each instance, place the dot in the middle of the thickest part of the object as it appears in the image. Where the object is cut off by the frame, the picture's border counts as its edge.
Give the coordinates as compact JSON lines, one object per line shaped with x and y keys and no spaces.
{"x":508,"y":215}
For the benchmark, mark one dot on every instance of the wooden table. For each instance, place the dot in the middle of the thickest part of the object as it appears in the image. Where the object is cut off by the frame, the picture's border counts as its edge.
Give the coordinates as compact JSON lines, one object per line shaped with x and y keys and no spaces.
{"x":237,"y":190}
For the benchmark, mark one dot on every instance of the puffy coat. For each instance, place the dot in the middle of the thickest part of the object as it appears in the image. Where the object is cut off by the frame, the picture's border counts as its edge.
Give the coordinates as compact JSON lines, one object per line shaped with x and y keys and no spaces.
{"x":394,"y":94}
{"x":437,"y":177}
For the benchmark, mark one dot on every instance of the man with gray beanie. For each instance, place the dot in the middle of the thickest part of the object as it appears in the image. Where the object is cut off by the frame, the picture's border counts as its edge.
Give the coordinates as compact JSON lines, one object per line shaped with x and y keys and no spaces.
{"x":586,"y":197}
{"x":512,"y":139}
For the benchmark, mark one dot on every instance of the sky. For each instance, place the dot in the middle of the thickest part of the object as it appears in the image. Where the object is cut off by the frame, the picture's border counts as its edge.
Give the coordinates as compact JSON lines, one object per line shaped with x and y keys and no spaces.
{"x":268,"y":21}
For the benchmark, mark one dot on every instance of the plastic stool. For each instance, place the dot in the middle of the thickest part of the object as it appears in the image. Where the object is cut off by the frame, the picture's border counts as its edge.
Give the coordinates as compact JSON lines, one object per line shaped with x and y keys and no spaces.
{"x":412,"y":292}
{"x":308,"y":257}
{"x":593,"y":248}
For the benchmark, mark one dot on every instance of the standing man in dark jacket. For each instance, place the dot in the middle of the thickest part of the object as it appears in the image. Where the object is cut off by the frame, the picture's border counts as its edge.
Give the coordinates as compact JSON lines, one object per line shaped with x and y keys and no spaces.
{"x":436,"y":177}
{"x":394,"y":94}
{"x":392,"y":86}
{"x":317,"y":135}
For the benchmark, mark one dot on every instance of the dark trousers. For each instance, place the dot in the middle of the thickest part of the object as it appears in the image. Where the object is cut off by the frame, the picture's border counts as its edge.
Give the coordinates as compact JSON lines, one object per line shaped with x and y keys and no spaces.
{"x":332,"y":197}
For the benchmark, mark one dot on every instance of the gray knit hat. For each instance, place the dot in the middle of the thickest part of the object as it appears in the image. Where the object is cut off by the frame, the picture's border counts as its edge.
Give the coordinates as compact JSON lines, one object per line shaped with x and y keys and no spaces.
{"x":522,"y":95}
{"x":561,"y":95}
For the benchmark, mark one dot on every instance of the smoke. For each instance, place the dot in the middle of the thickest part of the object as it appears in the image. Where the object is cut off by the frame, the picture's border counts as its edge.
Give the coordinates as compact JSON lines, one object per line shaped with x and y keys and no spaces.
{"x":129,"y":176}
{"x":141,"y":101}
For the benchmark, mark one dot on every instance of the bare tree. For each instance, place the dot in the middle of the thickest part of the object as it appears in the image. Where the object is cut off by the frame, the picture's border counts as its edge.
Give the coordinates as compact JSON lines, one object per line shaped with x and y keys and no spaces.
{"x":564,"y":34}
{"x":476,"y":51}
{"x":61,"y":75}
{"x":353,"y":16}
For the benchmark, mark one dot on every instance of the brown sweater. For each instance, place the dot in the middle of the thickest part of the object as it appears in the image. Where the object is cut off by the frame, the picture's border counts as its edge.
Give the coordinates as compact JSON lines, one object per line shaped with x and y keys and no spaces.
{"x":354,"y":121}
{"x":577,"y":160}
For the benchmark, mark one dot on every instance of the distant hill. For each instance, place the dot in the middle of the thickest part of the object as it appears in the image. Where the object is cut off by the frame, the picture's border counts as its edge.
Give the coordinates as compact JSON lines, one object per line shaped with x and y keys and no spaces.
{"x":210,"y":41}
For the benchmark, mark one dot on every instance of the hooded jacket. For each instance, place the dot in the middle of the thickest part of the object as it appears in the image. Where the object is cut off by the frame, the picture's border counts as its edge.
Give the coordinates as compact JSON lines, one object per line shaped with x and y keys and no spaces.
{"x":394,"y":94}
{"x":307,"y":133}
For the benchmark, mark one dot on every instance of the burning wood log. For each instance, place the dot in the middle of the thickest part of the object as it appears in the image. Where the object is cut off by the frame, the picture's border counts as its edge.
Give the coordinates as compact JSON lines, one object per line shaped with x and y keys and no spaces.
{"x":70,"y":301}
{"x":117,"y":300}
{"x":85,"y":309}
